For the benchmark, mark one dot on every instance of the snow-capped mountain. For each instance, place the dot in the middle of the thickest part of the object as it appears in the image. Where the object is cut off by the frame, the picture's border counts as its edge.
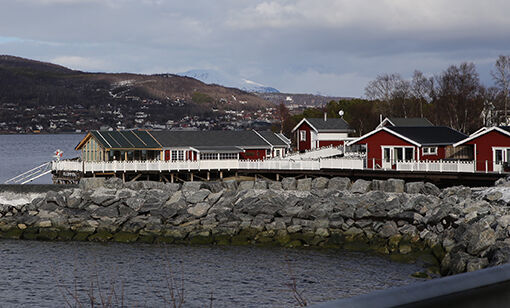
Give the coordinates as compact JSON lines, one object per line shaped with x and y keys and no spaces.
{"x":224,"y":79}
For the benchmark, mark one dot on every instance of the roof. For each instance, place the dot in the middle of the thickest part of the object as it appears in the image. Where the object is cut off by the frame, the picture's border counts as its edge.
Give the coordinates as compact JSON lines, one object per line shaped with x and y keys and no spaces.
{"x":129,"y":139}
{"x":218,"y":149}
{"x":330,"y":125}
{"x":405,"y":122}
{"x":242,"y":139}
{"x":420,"y":135}
{"x":505,"y":130}
{"x":273,"y":138}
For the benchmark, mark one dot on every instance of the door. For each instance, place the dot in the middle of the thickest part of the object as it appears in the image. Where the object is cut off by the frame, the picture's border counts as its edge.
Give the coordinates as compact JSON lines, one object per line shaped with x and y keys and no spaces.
{"x":387,"y":158}
{"x":498,"y":159}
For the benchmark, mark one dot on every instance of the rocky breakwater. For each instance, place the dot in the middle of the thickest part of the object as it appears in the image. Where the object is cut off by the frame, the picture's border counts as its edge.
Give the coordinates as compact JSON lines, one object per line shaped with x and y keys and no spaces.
{"x":458,"y":228}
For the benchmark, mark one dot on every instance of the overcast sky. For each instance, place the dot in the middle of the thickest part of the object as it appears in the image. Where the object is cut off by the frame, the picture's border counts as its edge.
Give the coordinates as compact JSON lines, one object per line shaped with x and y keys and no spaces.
{"x":330,"y":47}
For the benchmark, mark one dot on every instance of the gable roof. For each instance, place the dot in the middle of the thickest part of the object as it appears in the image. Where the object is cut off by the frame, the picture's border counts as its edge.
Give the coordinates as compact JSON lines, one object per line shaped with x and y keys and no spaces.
{"x":273,"y":138}
{"x":420,"y":135}
{"x":330,"y":125}
{"x":505,"y":130}
{"x":405,"y":122}
{"x":430,"y":135}
{"x":129,"y":139}
{"x":207,"y":139}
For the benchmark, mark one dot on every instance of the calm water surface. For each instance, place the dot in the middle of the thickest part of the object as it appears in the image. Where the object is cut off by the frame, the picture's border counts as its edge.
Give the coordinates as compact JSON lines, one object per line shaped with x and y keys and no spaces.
{"x":20,"y":153}
{"x":37,"y":274}
{"x":45,"y":274}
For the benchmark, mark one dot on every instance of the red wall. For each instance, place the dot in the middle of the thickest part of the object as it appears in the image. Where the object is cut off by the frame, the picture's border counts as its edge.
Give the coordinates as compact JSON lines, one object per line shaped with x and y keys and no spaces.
{"x":441,"y":154}
{"x":325,"y":143}
{"x":374,"y":143}
{"x":304,"y":145}
{"x":484,"y":146}
{"x":254,"y":154}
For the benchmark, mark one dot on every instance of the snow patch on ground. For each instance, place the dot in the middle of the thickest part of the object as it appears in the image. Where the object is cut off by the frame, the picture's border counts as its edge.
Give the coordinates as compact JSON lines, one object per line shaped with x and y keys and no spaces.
{"x":17,"y":200}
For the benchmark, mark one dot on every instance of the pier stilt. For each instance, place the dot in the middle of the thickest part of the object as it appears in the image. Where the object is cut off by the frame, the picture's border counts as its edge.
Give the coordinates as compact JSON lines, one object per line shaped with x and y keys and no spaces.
{"x":171,"y":177}
{"x":208,"y":176}
{"x":221,"y":175}
{"x":191,"y":176}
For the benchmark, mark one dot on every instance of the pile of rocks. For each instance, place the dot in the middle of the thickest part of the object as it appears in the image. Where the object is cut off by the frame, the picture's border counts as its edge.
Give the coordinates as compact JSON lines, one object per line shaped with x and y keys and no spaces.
{"x":457,"y":228}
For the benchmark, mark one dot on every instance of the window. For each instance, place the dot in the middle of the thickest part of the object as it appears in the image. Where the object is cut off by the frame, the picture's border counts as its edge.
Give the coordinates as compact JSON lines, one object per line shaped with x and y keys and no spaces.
{"x":302,"y":135}
{"x":177,"y":155}
{"x":408,"y":153}
{"x":268,"y":153}
{"x":228,"y":155}
{"x":430,"y":151}
{"x":174,"y":155}
{"x":208,"y":156}
{"x":277,"y":153}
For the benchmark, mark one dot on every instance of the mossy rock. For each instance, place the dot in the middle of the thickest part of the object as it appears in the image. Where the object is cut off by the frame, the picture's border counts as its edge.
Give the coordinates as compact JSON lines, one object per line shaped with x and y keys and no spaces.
{"x":100,"y":236}
{"x":201,"y":240}
{"x":239,"y":240}
{"x":304,"y":238}
{"x":162,"y":240}
{"x":248,"y":233}
{"x":357,"y":246}
{"x":222,"y":239}
{"x":148,"y":239}
{"x":47,"y":234}
{"x":282,"y":239}
{"x":438,"y":251}
{"x":125,"y":237}
{"x":379,"y":245}
{"x":422,"y":275}
{"x":294,"y":244}
{"x":81,"y":236}
{"x":337,"y":239}
{"x":13,"y":233}
{"x":65,"y":235}
{"x":394,"y":241}
{"x":30,"y":234}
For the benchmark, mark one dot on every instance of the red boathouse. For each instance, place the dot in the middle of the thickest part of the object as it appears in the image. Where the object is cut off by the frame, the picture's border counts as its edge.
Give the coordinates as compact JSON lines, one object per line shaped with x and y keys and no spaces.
{"x":313,"y":133}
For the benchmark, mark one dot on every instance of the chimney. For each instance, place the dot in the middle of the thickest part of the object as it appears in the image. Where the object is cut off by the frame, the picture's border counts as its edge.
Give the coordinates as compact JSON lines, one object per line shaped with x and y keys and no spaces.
{"x":325,"y":116}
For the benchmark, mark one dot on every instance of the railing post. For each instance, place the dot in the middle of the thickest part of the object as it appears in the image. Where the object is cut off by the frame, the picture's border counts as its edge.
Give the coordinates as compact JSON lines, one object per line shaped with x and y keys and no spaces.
{"x":440,"y":165}
{"x":373,"y":163}
{"x":486,"y":166}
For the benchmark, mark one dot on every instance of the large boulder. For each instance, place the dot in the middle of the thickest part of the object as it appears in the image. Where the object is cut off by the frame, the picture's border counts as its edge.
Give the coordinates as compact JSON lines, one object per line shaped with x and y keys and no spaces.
{"x":320,"y":183}
{"x":200,"y":209}
{"x":415,"y":187}
{"x":191,"y":186}
{"x":360,"y":186}
{"x":244,"y":185}
{"x":91,"y":183}
{"x":289,"y":183}
{"x":338,"y":183}
{"x":394,"y":186}
{"x":304,"y":184}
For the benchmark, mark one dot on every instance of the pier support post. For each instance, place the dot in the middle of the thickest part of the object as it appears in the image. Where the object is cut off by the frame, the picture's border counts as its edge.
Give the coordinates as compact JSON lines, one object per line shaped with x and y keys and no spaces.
{"x":123,"y":177}
{"x":208,"y":176}
{"x":278,"y":177}
{"x":171,"y":177}
{"x":191,"y":176}
{"x":221,"y":175}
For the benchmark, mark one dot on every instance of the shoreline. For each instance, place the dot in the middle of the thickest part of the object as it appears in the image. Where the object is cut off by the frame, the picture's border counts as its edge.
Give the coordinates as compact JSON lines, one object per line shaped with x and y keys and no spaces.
{"x":453,"y":230}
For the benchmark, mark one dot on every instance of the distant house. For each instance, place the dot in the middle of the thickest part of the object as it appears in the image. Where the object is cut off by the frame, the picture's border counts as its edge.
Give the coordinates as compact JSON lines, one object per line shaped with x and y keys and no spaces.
{"x":404,"y":122}
{"x":181,"y":145}
{"x":387,"y":145}
{"x":490,"y":147}
{"x":312,"y":133}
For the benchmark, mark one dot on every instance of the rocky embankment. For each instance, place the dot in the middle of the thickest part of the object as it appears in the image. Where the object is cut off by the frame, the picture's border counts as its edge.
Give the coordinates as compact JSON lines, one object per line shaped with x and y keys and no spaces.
{"x":458,"y":228}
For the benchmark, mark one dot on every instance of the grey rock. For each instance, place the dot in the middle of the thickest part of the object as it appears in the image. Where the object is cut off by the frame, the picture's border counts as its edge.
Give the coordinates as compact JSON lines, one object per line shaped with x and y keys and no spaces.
{"x":74,"y":200}
{"x":214,"y":186}
{"x":320,"y":183}
{"x":191,"y":186}
{"x":91,"y":183}
{"x":289,"y":183}
{"x":245,"y":185}
{"x":360,"y":186}
{"x":378,"y":185}
{"x":338,"y":183}
{"x":172,"y":187}
{"x":109,"y":211}
{"x":274,"y":185}
{"x":479,"y":238}
{"x":304,"y":184}
{"x":260,"y":185}
{"x":114,"y":183}
{"x":135,"y":203}
{"x":200,"y":209}
{"x":415,"y":187}
{"x":504,"y":221}
{"x":493,"y":196}
{"x":212,"y":198}
{"x":102,"y":196}
{"x":394,"y":186}
{"x":431,"y":189}
{"x":388,"y":229}
{"x":475,"y":264}
{"x":198,"y":196}
{"x":230,"y":185}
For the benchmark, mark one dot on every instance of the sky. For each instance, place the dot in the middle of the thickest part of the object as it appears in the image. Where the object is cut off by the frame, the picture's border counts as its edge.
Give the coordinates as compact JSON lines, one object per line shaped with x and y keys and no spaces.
{"x":329,"y":47}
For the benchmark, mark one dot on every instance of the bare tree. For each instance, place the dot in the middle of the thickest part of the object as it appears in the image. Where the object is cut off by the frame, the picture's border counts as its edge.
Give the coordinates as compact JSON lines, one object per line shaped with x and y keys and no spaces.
{"x":421,"y":88}
{"x":501,"y":77}
{"x":383,"y":89}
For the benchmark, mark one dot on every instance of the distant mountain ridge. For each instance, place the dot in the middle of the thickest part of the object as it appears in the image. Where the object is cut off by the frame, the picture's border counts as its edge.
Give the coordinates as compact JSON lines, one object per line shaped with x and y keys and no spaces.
{"x":210,"y":76}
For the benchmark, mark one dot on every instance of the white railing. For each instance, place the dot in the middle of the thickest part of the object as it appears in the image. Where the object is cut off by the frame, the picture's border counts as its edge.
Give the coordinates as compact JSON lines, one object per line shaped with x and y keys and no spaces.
{"x":321,"y":152}
{"x":436,"y":166}
{"x":346,"y":163}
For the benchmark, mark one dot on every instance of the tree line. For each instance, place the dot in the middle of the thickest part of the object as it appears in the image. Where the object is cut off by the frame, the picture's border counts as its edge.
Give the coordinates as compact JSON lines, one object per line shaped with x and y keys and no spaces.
{"x":455,"y":98}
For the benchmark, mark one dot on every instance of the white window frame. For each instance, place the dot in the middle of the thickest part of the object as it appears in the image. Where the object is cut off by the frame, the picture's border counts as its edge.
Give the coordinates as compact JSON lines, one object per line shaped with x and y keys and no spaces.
{"x":302,"y":135}
{"x":392,"y":153}
{"x":228,"y":156}
{"x":429,"y":151}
